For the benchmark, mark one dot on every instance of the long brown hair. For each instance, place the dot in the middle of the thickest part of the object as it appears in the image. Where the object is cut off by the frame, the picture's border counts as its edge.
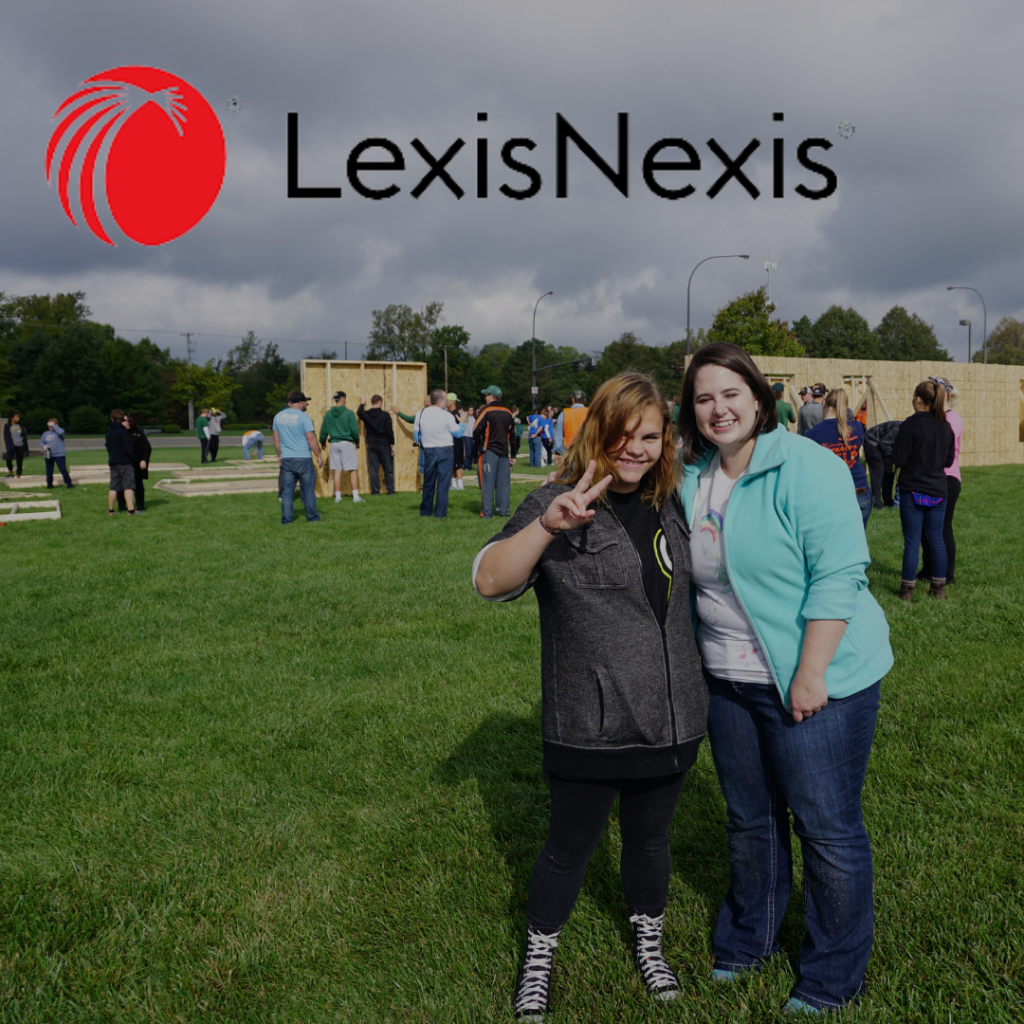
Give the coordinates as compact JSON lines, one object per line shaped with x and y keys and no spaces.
{"x":934,"y":396}
{"x":837,"y":401}
{"x":732,"y":357}
{"x":617,"y":408}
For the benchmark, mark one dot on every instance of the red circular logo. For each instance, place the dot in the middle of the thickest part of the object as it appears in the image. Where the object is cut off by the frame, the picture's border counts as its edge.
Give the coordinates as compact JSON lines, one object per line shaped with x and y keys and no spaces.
{"x":147,"y":144}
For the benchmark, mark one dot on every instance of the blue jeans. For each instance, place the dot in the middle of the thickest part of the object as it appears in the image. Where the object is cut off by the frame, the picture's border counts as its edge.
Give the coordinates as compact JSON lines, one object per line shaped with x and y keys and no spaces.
{"x":301,"y":470}
{"x":769,"y":765}
{"x":536,"y":447}
{"x":62,"y":465}
{"x":258,"y":445}
{"x":865,"y":502}
{"x":437,"y":475}
{"x":916,"y":519}
{"x":470,"y":449}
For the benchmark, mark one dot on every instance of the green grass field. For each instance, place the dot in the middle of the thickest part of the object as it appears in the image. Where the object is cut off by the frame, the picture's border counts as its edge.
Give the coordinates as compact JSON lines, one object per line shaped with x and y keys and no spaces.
{"x":261,"y":774}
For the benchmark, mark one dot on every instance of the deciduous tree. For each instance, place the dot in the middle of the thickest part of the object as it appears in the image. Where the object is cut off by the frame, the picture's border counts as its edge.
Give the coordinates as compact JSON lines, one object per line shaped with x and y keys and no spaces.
{"x":747,"y":322}
{"x":1005,"y":343}
{"x":905,"y":336}
{"x":843,"y":334}
{"x":402,"y":335}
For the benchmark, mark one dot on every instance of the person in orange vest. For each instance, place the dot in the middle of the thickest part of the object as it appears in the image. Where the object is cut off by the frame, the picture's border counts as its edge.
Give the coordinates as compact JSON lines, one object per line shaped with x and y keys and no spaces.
{"x":569,"y":420}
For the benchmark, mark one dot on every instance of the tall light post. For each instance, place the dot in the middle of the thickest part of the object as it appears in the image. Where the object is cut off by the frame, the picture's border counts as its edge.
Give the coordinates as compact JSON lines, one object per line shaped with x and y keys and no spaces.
{"x":967,"y":324}
{"x":533,"y":371}
{"x":984,"y":322}
{"x":730,"y":256}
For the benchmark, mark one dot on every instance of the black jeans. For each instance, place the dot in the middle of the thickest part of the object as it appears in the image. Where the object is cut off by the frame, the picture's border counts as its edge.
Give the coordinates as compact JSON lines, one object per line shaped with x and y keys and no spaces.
{"x":204,"y":444}
{"x":377,"y":456}
{"x":579,"y":810}
{"x":16,"y":455}
{"x":882,"y":473}
{"x":952,"y":494}
{"x":214,"y":446}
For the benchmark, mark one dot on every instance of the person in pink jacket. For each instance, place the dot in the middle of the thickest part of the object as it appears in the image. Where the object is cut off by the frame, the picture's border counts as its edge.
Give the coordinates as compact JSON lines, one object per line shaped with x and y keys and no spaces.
{"x":955,"y":420}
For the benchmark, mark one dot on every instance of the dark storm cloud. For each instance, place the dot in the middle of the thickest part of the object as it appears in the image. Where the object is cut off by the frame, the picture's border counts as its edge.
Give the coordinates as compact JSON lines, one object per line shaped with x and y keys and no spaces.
{"x":928,"y":185}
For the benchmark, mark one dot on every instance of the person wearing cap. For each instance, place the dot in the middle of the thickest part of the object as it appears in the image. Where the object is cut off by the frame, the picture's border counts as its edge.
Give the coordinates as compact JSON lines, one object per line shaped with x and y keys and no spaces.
{"x":811,"y":414}
{"x":217,"y":417}
{"x":340,"y":430}
{"x":52,"y":444}
{"x":438,"y":431}
{"x":497,"y":442}
{"x":569,"y":421}
{"x":459,"y":444}
{"x":784,"y":409}
{"x":380,"y":442}
{"x":296,"y":447}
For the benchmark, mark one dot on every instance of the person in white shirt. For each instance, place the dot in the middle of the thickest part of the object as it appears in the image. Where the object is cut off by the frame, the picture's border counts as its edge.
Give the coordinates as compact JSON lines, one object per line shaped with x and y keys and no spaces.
{"x":437,"y":427}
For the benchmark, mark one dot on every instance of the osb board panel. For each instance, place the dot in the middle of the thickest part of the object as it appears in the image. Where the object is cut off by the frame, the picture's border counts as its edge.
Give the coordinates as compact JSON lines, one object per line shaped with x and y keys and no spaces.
{"x":401,"y":384}
{"x":989,"y":397}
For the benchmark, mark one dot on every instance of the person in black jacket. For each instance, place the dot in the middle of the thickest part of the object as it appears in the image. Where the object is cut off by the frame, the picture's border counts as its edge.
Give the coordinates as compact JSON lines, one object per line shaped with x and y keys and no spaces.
{"x":878,"y":442}
{"x":924,"y":447}
{"x":624,"y":701}
{"x":121,"y":459}
{"x":15,"y":443}
{"x":380,"y":442}
{"x":142,"y":450}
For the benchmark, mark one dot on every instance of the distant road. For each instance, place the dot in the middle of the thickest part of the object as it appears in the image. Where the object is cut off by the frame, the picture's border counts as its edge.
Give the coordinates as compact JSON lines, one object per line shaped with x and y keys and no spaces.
{"x":91,"y":444}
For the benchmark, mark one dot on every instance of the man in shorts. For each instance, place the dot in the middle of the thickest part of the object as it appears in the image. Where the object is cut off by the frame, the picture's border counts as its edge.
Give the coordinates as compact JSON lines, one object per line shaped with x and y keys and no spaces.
{"x":340,"y":430}
{"x":121,"y":460}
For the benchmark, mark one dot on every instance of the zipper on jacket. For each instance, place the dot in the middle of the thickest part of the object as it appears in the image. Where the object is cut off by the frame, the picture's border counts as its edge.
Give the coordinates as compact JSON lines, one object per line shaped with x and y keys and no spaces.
{"x":664,"y":639}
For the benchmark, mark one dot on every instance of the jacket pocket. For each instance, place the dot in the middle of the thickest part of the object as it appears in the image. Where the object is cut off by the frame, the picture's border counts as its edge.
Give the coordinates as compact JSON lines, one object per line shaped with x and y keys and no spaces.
{"x":596,"y":560}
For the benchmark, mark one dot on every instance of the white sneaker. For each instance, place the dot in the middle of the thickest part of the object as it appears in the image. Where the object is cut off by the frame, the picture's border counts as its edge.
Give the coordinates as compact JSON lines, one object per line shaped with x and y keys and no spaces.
{"x":337,"y":498}
{"x":355,"y":497}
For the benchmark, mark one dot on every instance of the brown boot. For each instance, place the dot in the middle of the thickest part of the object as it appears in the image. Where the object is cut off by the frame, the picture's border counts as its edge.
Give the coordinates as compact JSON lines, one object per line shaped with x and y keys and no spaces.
{"x":938,"y":589}
{"x":906,"y":590}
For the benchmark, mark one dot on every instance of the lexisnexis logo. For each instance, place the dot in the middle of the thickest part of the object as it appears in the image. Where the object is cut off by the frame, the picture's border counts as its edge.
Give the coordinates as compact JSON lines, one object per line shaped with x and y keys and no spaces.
{"x":141,"y":146}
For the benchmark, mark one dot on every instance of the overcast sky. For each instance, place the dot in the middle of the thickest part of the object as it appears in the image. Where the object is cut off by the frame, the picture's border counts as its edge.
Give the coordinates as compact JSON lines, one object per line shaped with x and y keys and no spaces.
{"x":929,"y":185}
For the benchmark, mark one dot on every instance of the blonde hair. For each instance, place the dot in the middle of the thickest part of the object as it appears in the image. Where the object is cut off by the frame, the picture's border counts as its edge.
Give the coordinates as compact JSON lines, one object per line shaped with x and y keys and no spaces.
{"x":837,"y":401}
{"x":934,"y":397}
{"x":617,"y":408}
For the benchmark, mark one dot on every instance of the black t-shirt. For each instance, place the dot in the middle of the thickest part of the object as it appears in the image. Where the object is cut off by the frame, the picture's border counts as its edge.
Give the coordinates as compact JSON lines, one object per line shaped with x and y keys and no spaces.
{"x":643,"y":525}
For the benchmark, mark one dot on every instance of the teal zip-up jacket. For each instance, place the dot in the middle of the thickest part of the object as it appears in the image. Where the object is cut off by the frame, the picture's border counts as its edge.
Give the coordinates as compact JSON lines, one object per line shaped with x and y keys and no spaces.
{"x":795,"y":549}
{"x":339,"y":424}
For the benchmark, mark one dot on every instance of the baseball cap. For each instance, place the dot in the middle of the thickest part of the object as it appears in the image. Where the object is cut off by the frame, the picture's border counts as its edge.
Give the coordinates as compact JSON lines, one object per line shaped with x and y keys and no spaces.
{"x":492,"y":390}
{"x":804,"y":390}
{"x":578,"y":396}
{"x":818,"y":392}
{"x":339,"y":394}
{"x":296,"y":396}
{"x":778,"y":387}
{"x":452,"y":397}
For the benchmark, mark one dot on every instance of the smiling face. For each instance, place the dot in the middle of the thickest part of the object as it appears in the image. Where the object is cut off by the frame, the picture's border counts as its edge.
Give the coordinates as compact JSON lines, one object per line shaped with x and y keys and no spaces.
{"x":725,"y":408}
{"x":640,"y":450}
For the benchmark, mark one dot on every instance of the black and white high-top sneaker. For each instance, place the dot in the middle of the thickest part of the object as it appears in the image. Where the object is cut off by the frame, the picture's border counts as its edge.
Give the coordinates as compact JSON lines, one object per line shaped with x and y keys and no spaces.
{"x":660,"y":979}
{"x":533,"y":989}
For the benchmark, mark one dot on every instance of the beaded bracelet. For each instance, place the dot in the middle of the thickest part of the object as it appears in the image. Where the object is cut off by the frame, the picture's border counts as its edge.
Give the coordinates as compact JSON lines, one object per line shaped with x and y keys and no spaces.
{"x":544,"y":526}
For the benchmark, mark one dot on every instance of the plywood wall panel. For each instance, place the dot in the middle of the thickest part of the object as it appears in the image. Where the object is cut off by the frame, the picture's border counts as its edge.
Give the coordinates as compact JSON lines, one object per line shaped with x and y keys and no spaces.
{"x":406,"y":382}
{"x":989,"y":400}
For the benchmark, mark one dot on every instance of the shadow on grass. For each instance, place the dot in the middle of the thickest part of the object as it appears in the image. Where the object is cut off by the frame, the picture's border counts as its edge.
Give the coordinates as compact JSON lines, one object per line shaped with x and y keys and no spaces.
{"x":503,"y":755}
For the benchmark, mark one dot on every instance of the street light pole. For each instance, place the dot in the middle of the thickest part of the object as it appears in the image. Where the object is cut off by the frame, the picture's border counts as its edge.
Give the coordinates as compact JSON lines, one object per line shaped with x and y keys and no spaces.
{"x":984,"y":322}
{"x":533,"y":372}
{"x":730,"y":256}
{"x":967,"y":324}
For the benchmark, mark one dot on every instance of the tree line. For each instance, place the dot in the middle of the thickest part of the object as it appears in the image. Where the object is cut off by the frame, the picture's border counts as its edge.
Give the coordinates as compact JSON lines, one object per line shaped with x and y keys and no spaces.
{"x":55,"y":360}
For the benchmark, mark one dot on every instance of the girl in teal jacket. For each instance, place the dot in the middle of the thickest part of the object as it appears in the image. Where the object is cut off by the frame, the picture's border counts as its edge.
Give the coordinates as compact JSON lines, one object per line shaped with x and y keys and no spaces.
{"x":794,"y":648}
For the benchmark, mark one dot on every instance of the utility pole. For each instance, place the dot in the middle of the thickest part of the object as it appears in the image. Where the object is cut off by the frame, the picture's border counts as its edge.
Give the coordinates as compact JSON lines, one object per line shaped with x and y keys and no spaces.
{"x":187,"y":335}
{"x":446,"y":347}
{"x":346,"y":350}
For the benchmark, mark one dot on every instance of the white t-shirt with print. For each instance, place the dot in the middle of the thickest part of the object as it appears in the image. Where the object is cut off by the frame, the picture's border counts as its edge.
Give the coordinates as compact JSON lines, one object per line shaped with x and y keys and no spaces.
{"x":728,"y":644}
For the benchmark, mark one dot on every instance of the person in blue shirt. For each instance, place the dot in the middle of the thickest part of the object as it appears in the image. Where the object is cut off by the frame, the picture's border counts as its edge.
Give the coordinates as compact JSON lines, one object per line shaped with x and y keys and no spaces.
{"x":535,"y":426}
{"x":547,"y":436}
{"x":842,"y":434}
{"x":296,"y":445}
{"x":52,"y":443}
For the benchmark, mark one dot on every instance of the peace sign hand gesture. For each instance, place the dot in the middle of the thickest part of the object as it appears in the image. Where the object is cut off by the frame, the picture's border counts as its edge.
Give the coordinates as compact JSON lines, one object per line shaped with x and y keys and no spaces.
{"x":570,"y":510}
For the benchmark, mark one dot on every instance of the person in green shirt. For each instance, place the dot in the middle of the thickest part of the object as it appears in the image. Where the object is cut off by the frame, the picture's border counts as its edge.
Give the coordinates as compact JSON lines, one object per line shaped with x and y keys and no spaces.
{"x":785,"y":410}
{"x":340,"y":430}
{"x":203,"y":431}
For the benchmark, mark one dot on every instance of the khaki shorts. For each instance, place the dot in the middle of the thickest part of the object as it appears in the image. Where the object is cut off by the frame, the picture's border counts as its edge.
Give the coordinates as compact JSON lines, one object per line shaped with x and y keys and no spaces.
{"x":344,"y":455}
